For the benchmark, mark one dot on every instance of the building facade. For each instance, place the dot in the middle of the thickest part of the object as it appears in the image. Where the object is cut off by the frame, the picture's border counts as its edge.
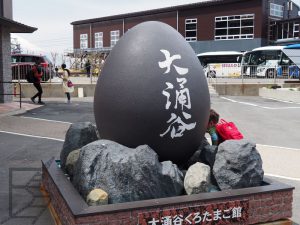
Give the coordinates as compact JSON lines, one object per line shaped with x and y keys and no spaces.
{"x":285,"y":32}
{"x":214,"y":25}
{"x":8,"y":26}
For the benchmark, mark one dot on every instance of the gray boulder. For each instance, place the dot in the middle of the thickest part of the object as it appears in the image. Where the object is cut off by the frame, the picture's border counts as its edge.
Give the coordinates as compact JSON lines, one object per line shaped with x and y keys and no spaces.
{"x":125,"y":174}
{"x":205,"y":154}
{"x":208,"y":153}
{"x":71,"y":161}
{"x":238,"y":165}
{"x":77,"y":136}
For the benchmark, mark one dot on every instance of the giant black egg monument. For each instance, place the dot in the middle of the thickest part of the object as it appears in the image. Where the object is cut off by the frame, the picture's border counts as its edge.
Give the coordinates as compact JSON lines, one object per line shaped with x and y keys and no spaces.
{"x":152,"y":90}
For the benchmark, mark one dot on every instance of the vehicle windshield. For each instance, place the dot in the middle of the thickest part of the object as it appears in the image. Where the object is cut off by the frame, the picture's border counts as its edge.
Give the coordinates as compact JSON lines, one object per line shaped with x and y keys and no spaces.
{"x":47,"y":59}
{"x":21,"y":58}
{"x":261,"y":57}
{"x":209,"y":59}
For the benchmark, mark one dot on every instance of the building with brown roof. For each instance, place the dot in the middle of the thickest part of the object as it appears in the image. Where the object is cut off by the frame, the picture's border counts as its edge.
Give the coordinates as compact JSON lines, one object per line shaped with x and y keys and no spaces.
{"x":212,"y":25}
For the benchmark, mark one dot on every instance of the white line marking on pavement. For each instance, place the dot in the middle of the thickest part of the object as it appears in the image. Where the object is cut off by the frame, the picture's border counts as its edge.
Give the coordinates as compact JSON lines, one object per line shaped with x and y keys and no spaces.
{"x":283,"y":177}
{"x":245,"y":103}
{"x":33,"y":136}
{"x":264,"y":107}
{"x":61,"y":140}
{"x":229,"y":99}
{"x":282,"y":101}
{"x":35,"y":118}
{"x":273,"y":146}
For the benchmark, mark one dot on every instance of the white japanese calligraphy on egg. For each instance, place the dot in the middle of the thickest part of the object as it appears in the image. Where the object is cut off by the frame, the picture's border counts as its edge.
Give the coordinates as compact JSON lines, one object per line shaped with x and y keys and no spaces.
{"x":160,"y":98}
{"x":178,"y":124}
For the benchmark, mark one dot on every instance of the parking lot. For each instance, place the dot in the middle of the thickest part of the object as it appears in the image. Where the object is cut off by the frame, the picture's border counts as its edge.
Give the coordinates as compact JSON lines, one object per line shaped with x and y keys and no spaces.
{"x":38,"y":134}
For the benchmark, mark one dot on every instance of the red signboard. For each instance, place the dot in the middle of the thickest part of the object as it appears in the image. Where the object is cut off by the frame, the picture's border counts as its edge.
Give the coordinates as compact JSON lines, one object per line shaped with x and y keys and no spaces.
{"x":217,"y":213}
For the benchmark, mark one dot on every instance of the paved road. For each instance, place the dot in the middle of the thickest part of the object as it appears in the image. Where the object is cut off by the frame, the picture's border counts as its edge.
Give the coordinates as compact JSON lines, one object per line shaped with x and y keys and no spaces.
{"x":59,"y":111}
{"x":264,"y":121}
{"x":274,"y":126}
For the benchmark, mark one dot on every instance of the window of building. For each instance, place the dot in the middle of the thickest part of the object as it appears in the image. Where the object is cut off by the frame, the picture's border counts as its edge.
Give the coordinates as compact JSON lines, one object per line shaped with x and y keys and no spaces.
{"x":191,"y":29}
{"x":234,"y":27}
{"x":296,"y":30}
{"x":99,"y":40}
{"x":114,"y":37}
{"x":83,"y":41}
{"x":288,"y":30}
{"x":276,"y":10}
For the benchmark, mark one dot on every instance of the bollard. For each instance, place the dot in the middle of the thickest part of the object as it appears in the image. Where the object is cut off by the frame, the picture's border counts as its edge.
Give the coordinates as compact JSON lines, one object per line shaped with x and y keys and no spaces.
{"x":80,"y":93}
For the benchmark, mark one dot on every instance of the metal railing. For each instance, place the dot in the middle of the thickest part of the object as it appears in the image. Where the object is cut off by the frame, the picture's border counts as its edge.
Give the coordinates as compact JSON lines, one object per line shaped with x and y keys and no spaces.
{"x":243,"y":74}
{"x":254,"y":74}
{"x":19,"y":71}
{"x":14,"y":90}
{"x":270,"y":72}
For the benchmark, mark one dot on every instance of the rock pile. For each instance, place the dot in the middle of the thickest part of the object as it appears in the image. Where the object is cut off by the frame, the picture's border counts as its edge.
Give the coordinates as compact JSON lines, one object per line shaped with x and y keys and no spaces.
{"x":125,"y":174}
{"x":133,"y":174}
{"x":77,"y":136}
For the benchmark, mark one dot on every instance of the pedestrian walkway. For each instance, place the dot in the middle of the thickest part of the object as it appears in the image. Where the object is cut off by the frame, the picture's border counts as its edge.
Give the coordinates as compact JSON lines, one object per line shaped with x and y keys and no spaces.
{"x":12,"y":108}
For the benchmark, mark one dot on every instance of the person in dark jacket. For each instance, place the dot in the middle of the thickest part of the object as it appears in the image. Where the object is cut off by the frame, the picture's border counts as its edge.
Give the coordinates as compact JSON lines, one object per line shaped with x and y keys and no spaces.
{"x":38,"y":73}
{"x":88,"y":68}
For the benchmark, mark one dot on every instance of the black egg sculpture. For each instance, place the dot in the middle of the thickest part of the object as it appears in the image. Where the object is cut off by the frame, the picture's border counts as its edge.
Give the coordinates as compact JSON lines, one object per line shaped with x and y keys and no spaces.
{"x":152,"y":90}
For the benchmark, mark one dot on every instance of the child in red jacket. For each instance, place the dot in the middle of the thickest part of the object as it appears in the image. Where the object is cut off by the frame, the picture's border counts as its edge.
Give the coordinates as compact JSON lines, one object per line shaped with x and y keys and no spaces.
{"x":211,"y":127}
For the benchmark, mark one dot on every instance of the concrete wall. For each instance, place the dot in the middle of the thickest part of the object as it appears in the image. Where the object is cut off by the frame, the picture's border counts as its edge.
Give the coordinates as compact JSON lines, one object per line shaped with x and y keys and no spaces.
{"x":7,"y":9}
{"x":54,"y":90}
{"x":244,"y":89}
{"x":5,"y":65}
{"x":239,"y":89}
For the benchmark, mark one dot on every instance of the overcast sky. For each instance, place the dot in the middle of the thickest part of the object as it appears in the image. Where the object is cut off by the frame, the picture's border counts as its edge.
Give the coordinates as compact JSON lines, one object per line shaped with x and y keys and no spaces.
{"x":53,"y":17}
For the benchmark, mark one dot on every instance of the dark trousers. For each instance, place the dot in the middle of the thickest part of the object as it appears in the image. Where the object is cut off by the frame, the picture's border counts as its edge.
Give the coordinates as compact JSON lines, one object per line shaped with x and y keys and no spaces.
{"x":68,"y":95}
{"x":40,"y":91}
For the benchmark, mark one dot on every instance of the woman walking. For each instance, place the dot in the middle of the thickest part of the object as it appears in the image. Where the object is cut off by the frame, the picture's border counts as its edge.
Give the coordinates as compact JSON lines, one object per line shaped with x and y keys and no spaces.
{"x":68,"y":86}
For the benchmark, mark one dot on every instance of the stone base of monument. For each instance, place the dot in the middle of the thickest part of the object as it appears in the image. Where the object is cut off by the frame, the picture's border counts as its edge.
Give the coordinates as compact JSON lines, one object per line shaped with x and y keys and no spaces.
{"x":267,"y":203}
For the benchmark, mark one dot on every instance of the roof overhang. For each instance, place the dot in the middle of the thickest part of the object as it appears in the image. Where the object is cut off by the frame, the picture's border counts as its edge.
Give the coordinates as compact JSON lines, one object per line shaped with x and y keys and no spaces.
{"x":16,"y":27}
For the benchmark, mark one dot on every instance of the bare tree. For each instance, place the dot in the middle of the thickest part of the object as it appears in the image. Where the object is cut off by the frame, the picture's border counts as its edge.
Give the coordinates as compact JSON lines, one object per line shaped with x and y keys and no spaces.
{"x":54,"y":58}
{"x":63,"y":58}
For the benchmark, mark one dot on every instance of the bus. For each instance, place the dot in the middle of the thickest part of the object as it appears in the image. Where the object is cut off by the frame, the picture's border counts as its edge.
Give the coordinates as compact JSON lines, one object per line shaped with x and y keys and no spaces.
{"x":221,"y":63}
{"x":267,"y":62}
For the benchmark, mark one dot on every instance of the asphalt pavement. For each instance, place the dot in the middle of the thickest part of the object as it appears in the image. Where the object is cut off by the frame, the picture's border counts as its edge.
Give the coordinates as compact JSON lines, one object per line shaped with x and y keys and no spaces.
{"x":38,"y":133}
